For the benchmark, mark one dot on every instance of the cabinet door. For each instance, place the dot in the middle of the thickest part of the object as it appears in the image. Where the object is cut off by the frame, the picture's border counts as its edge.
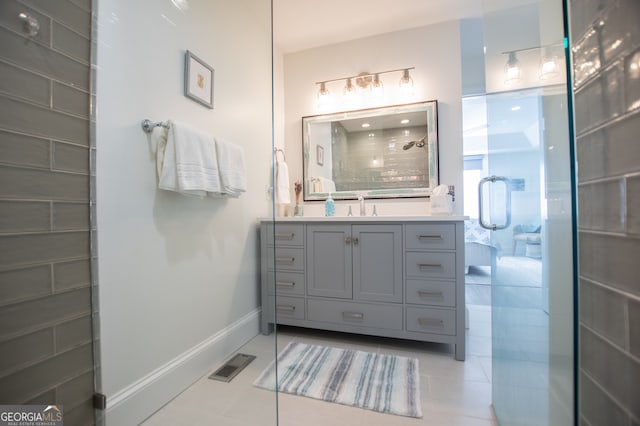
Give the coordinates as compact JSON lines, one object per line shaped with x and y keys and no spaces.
{"x":377,"y":262}
{"x":329,"y":261}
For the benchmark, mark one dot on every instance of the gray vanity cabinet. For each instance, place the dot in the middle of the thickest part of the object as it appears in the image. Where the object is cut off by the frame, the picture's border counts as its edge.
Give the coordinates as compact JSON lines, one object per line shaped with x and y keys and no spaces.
{"x":359,"y":262}
{"x":402,"y":279}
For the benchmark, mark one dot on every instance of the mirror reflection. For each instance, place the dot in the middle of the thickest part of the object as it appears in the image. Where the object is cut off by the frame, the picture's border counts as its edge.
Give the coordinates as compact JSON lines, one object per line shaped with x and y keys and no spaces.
{"x":386,"y":152}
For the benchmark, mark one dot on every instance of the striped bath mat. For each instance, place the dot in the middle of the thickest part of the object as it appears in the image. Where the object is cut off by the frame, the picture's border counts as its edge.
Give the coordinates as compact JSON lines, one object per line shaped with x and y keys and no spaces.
{"x":384,"y":383}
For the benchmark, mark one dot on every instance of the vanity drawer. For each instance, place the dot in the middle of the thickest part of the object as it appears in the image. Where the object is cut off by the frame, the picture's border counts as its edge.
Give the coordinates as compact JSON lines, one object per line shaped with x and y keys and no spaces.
{"x":285,"y":234}
{"x":285,"y":258}
{"x":288,"y":307}
{"x":438,"y":293}
{"x":286,"y":283}
{"x":430,"y":265}
{"x":387,"y":317}
{"x":431,"y":320}
{"x":430,"y":236}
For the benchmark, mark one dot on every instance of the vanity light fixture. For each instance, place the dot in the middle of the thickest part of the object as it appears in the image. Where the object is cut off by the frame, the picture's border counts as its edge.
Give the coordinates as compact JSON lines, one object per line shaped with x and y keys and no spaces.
{"x":365,"y":81}
{"x":406,"y":82}
{"x":512,"y":69}
{"x":323,"y":94}
{"x":549,"y":63}
{"x":404,"y":121}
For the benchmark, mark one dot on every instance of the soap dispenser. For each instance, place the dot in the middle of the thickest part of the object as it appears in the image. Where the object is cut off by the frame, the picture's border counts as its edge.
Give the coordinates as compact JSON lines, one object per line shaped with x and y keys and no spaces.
{"x":329,"y":206}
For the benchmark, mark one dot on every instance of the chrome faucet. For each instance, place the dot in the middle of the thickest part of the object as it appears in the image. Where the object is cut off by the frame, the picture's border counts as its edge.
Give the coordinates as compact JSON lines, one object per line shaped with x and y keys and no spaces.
{"x":363,"y":210}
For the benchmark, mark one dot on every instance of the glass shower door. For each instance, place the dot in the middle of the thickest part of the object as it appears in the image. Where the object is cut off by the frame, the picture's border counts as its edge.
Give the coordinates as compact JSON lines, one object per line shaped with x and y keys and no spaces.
{"x":526,"y":202}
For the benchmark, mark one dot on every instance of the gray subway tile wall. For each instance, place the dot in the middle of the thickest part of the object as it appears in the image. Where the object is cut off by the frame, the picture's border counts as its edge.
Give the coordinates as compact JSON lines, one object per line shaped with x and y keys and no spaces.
{"x":606,"y":41}
{"x":46,"y":337}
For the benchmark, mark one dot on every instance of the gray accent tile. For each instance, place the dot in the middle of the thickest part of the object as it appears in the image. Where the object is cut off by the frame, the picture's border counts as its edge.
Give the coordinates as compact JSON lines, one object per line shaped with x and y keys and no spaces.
{"x":24,"y":84}
{"x":620,"y":33}
{"x":633,"y":204}
{"x":70,"y":216}
{"x":613,"y":370}
{"x":41,"y":59}
{"x":71,"y":43}
{"x":25,"y":350}
{"x":72,"y":274}
{"x":600,"y":100}
{"x":586,"y":58}
{"x":45,"y":398}
{"x":603,"y":311}
{"x":39,"y":248}
{"x":82,"y":4}
{"x":634,"y":327}
{"x":24,"y":384}
{"x":597,"y":407}
{"x":76,"y":391}
{"x":28,"y":118}
{"x":610,"y":151}
{"x":25,"y":283}
{"x":69,"y":99}
{"x":20,"y":317}
{"x":632,"y":81}
{"x":41,"y":184}
{"x":600,"y":206}
{"x":583,"y":16}
{"x":70,"y":157}
{"x":66,"y":13}
{"x":73,"y":333}
{"x":24,"y":216}
{"x":81,"y":414}
{"x":607,"y":259}
{"x":24,"y":150}
{"x":9,"y":10}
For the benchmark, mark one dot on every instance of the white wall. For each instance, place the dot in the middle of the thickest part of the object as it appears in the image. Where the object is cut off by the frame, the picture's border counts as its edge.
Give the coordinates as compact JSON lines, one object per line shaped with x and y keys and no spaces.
{"x":175,"y":272}
{"x":435,"y":53}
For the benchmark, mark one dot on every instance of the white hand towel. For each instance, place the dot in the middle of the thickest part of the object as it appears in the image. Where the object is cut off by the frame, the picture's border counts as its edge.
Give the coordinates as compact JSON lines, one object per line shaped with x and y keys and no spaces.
{"x":189,"y":163}
{"x":327,"y":185}
{"x":283,"y":195}
{"x":233,"y":173}
{"x":166,"y":162}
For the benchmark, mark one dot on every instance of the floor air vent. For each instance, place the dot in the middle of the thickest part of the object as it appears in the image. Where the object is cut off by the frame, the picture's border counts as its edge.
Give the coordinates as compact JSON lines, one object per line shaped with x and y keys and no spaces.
{"x":232,"y":367}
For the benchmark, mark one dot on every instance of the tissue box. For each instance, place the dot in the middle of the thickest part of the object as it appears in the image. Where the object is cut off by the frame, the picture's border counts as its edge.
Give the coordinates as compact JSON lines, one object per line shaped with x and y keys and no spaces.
{"x":441,"y":204}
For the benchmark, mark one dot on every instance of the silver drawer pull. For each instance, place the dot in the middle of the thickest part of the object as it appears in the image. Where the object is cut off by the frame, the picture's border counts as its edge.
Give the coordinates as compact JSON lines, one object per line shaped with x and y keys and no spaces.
{"x":353,"y":315}
{"x":285,"y":259}
{"x":286,"y":308}
{"x":431,"y":322}
{"x":429,"y":293}
{"x":285,"y":284}
{"x":429,"y":237}
{"x":284,"y":236}
{"x":429,"y":265}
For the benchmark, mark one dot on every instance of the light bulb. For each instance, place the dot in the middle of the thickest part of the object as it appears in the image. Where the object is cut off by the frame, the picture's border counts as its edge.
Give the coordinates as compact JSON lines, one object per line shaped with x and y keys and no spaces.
{"x":512,"y":69}
{"x":549,"y":66}
{"x":377,"y":88}
{"x":324,"y":95}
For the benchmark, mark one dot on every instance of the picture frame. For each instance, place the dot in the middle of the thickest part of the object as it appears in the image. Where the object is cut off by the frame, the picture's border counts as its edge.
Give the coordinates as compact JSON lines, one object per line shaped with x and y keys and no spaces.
{"x":320,"y":155}
{"x":198,"y":80}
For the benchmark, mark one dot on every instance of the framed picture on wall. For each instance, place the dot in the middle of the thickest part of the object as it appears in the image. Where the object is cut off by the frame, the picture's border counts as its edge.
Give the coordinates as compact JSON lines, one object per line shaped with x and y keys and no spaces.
{"x":198,"y":80}
{"x":319,"y":155}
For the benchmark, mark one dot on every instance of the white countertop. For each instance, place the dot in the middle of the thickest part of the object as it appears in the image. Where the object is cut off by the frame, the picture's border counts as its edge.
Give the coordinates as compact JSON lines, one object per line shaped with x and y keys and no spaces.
{"x":434,"y":218}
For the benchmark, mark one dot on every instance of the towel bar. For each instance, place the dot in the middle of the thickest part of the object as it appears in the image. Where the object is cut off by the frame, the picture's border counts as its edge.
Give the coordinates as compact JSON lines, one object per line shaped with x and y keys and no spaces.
{"x":148,"y":125}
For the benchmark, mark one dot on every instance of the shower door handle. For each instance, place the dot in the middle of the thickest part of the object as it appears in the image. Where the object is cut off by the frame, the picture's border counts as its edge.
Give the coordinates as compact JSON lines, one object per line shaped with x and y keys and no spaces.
{"x":507,"y":200}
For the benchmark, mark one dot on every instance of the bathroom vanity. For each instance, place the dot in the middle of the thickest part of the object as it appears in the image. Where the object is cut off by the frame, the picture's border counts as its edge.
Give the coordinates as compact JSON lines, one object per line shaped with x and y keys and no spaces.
{"x":400,"y":277}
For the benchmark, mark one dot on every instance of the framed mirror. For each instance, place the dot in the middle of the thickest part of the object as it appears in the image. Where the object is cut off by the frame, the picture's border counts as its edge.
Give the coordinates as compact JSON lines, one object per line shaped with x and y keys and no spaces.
{"x":386,"y":152}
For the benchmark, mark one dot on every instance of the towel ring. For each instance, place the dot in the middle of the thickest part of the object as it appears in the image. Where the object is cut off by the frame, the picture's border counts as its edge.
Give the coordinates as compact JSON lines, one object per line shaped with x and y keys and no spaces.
{"x":276,"y":150}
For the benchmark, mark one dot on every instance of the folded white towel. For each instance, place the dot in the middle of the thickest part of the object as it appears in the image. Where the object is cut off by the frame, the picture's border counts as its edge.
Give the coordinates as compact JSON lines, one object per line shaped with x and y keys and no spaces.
{"x":327,"y":185}
{"x":283,"y":193}
{"x":233,"y":173}
{"x":187,"y":163}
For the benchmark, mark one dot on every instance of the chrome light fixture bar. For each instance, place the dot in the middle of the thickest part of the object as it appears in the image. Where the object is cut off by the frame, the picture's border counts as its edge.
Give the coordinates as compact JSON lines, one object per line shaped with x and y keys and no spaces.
{"x":365,"y":80}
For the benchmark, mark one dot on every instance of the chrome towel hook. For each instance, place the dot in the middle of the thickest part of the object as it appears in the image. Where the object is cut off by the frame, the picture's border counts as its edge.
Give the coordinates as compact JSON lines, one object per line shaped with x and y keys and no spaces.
{"x":31,"y":26}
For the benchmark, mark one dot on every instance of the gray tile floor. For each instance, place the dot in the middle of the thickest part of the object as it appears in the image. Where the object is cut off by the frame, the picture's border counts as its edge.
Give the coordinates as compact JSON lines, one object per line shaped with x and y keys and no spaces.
{"x":453,"y":393}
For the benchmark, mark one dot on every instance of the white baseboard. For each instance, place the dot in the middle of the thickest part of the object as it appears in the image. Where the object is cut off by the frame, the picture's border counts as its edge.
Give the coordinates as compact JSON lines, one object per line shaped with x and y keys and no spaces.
{"x":136,"y":402}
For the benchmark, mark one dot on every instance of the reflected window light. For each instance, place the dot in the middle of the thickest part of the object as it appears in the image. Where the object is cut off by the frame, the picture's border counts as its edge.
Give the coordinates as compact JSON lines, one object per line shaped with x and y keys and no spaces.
{"x":181,"y":5}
